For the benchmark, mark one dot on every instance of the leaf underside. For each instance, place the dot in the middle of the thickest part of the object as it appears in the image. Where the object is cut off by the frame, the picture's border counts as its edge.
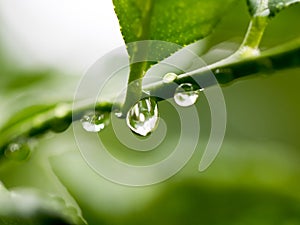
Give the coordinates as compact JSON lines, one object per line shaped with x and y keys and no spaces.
{"x":273,"y":6}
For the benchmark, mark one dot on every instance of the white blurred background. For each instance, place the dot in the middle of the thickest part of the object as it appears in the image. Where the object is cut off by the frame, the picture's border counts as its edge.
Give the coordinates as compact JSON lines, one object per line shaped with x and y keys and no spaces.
{"x":67,"y":35}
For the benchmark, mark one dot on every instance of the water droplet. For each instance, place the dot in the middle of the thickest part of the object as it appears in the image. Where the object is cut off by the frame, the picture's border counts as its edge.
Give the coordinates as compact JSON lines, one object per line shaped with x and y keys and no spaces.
{"x":169,"y":78}
{"x":280,"y":5}
{"x":117,"y":111}
{"x":118,"y":114}
{"x":224,"y":75}
{"x":142,"y":118}
{"x":95,"y":121}
{"x":223,"y":71}
{"x":185,"y":95}
{"x":17,"y":151}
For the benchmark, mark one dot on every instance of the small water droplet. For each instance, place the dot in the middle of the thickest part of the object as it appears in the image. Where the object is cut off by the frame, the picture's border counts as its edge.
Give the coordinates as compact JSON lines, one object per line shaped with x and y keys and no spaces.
{"x":118,"y":114}
{"x":17,"y":151}
{"x":143,"y":118}
{"x":117,"y":111}
{"x":224,"y":75}
{"x":185,"y":95}
{"x":95,"y":121}
{"x":169,"y":78}
{"x":223,"y":71}
{"x":217,"y":71}
{"x":280,"y":5}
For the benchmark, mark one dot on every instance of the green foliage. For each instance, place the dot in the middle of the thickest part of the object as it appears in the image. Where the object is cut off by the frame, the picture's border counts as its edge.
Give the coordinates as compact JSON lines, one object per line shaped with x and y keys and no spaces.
{"x":181,"y":22}
{"x":194,"y":203}
{"x":35,"y":121}
{"x":265,"y":168}
{"x":31,"y":207}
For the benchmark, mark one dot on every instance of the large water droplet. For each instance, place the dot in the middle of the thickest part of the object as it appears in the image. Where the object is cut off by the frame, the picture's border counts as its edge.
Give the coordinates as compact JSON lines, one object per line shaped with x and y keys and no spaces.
{"x":17,"y":151}
{"x":142,"y":118}
{"x":185,"y":95}
{"x":169,"y":77}
{"x":95,"y":121}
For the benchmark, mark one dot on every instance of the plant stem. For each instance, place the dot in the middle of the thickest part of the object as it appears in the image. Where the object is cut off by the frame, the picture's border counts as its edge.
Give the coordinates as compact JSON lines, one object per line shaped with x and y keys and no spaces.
{"x":138,"y":53}
{"x":250,"y":44}
{"x":229,"y":70}
{"x":279,"y":58}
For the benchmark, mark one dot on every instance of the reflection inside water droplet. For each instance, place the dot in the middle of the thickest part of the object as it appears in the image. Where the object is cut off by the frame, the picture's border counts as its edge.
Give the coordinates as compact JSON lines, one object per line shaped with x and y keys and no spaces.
{"x":185,"y":95}
{"x":142,"y":118}
{"x":95,"y":121}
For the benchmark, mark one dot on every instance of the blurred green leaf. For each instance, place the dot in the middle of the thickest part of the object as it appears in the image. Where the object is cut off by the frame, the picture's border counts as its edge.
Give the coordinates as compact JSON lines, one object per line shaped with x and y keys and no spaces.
{"x":35,"y":121}
{"x":31,"y":207}
{"x":189,"y":202}
{"x":26,"y":114}
{"x":17,"y":80}
{"x":259,"y":186}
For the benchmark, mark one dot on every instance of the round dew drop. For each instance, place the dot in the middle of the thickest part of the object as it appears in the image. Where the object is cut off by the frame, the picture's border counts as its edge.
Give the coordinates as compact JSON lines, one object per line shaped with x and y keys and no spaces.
{"x":118,"y":113}
{"x":17,"y":151}
{"x":280,"y":6}
{"x":169,"y":77}
{"x":95,"y":121}
{"x":143,"y":117}
{"x":185,"y":95}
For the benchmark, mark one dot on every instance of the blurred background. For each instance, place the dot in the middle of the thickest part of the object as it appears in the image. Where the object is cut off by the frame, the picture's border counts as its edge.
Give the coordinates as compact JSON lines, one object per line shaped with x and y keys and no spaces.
{"x":65,"y":35}
{"x":46,"y":46}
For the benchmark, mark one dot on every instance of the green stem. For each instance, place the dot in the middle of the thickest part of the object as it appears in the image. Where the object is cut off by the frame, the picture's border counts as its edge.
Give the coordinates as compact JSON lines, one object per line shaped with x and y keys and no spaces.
{"x":250,"y":44}
{"x":53,"y":118}
{"x":134,"y":87}
{"x":279,"y":58}
{"x":228,"y":71}
{"x":56,"y":118}
{"x":138,"y":53}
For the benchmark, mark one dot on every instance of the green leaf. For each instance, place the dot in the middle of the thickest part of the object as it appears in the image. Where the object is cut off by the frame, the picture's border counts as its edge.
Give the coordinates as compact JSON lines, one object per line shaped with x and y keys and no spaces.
{"x":268,"y":8}
{"x":19,"y":80}
{"x":196,"y":201}
{"x":181,"y":21}
{"x":26,"y":114}
{"x":30,"y":207}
